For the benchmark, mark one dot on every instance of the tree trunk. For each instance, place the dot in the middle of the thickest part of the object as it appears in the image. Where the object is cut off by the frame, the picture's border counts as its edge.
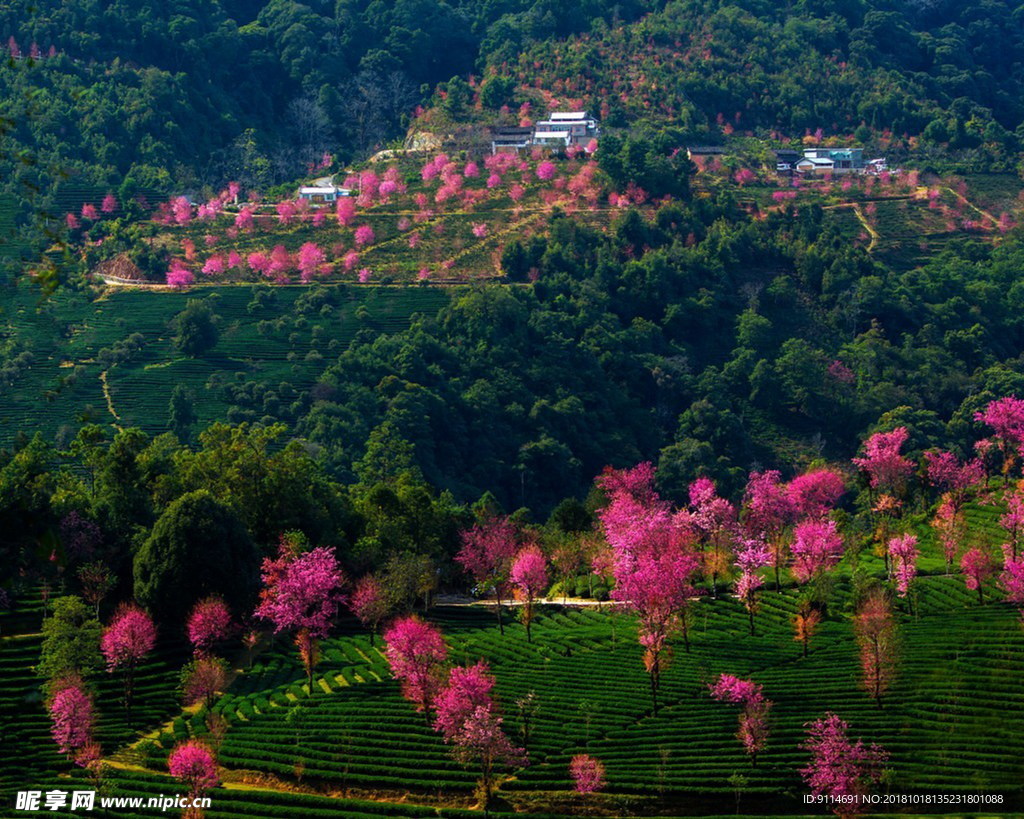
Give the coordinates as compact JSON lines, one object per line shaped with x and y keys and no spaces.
{"x":501,"y":625}
{"x":750,"y":614}
{"x":529,"y":620}
{"x":981,"y":593}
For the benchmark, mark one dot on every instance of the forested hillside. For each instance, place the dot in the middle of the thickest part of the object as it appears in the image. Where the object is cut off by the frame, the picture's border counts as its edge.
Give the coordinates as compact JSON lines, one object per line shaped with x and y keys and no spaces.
{"x":350,"y":466}
{"x":171,"y":96}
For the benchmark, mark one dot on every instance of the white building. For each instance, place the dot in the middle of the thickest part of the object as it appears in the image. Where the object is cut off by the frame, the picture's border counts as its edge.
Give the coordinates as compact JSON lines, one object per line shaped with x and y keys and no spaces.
{"x":564,"y":128}
{"x":322,"y":194}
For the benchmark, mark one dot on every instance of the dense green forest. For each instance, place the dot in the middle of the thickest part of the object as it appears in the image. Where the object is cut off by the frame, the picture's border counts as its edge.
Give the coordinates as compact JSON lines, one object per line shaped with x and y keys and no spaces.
{"x":143,"y":96}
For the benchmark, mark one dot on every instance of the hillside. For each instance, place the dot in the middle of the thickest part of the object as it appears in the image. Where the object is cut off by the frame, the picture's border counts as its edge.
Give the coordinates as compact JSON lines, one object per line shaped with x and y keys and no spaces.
{"x":351,"y":465}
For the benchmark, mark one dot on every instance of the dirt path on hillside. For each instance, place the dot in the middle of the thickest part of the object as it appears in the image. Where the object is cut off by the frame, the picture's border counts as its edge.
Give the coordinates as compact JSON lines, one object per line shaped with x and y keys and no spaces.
{"x":972,"y":206}
{"x":109,"y":400}
{"x":868,"y":227}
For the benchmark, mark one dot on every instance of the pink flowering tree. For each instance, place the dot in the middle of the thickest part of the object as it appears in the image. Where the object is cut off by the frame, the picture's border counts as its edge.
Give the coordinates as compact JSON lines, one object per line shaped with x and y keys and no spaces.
{"x":977,"y":567}
{"x":753,"y":719}
{"x":364,"y":235}
{"x":209,"y":624}
{"x":815,"y":493}
{"x":311,"y":261}
{"x":587,"y":773}
{"x":903,"y":553}
{"x":193,"y":764}
{"x":1011,"y":580}
{"x":1013,"y":519}
{"x":875,"y":631}
{"x":416,"y":652}
{"x":817,"y":546}
{"x":181,"y":210}
{"x":713,"y":518}
{"x":886,"y":467}
{"x":652,"y":563}
{"x":529,"y":576}
{"x":130,"y":636}
{"x":369,"y":604}
{"x":840,"y":767}
{"x":950,"y":528}
{"x":887,"y":471}
{"x":769,"y":510}
{"x":203,"y":679}
{"x":752,"y":555}
{"x":1005,"y":417}
{"x":178,"y":275}
{"x":72,"y":716}
{"x":467,"y":689}
{"x":301,"y":594}
{"x":487,"y":551}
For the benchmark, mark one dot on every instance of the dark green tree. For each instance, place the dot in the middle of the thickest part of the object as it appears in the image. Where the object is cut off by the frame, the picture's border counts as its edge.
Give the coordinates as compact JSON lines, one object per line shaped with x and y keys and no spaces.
{"x":198,"y":547}
{"x":71,"y":640}
{"x":195,"y":328}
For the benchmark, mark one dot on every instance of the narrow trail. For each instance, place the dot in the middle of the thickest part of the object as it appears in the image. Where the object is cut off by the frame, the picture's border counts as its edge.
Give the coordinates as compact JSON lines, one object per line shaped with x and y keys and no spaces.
{"x":972,"y":206}
{"x":868,"y":227}
{"x":110,"y":400}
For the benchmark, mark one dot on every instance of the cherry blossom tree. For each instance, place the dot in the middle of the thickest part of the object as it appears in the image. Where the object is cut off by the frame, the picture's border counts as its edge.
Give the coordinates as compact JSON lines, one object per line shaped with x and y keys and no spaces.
{"x":181,"y":210}
{"x":72,"y":715}
{"x":480,"y":738}
{"x":529,"y":575}
{"x":364,"y":235}
{"x":875,"y":631}
{"x":369,"y":604}
{"x":301,"y":593}
{"x":209,"y":624}
{"x":467,"y":689}
{"x":311,"y":261}
{"x":947,"y":473}
{"x":487,"y":551}
{"x":652,"y":563}
{"x":1012,"y":579}
{"x":130,"y":636}
{"x":887,"y":469}
{"x":714,"y":519}
{"x":769,"y":510}
{"x":193,"y":764}
{"x":587,"y":773}
{"x":416,"y":652}
{"x":89,"y":212}
{"x":817,"y":546}
{"x":753,"y":719}
{"x":1013,"y":519}
{"x":109,"y":203}
{"x":977,"y":567}
{"x":178,"y":275}
{"x":805,"y":623}
{"x":203,"y":679}
{"x":951,"y":529}
{"x":546,"y":170}
{"x":903,"y":553}
{"x":752,"y":554}
{"x":1005,"y":416}
{"x":840,"y":767}
{"x":815,"y":493}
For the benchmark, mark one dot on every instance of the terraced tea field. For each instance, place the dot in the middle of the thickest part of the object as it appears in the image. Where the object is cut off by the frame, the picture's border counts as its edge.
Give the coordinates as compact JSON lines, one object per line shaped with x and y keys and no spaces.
{"x":953,"y":721}
{"x":280,"y":339}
